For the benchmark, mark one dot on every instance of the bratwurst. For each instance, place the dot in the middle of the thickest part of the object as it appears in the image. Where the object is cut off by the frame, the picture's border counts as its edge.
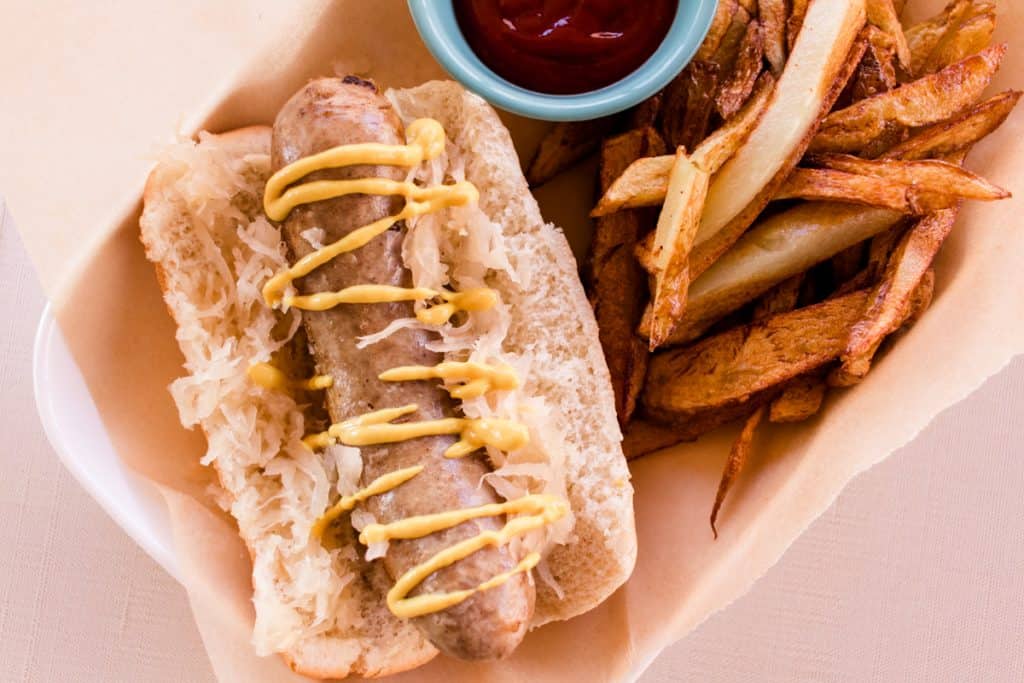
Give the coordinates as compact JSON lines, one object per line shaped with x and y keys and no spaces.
{"x":327,"y":113}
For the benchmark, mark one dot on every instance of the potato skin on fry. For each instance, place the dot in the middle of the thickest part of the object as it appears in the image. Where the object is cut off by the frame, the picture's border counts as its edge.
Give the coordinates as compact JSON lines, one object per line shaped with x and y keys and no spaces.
{"x":730,"y":372}
{"x":926,"y":101}
{"x":617,"y":284}
{"x":565,"y":144}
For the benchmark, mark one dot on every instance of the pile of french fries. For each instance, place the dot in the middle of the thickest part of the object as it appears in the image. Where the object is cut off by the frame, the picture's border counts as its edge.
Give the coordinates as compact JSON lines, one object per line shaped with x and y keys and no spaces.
{"x":771,"y":218}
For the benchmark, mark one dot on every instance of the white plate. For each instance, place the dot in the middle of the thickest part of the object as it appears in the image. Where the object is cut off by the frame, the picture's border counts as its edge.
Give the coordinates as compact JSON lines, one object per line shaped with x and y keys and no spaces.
{"x":74,"y":427}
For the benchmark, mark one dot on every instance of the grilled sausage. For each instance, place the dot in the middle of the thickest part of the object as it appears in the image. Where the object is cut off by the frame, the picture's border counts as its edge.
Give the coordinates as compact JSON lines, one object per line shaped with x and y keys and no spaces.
{"x":330,"y":112}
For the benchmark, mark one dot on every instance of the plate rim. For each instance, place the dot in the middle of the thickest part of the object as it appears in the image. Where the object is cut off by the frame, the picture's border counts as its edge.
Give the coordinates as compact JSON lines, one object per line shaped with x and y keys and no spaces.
{"x":155,"y":542}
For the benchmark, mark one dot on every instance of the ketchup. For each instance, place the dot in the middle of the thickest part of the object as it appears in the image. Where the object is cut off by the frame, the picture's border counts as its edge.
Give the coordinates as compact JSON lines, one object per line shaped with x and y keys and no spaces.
{"x":564,"y":46}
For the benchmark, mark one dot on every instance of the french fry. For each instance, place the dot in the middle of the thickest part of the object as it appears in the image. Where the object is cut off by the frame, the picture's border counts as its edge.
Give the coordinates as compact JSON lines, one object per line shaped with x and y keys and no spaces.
{"x":924,"y":38}
{"x":722,"y":145}
{"x":912,"y":187}
{"x":796,"y":21}
{"x":645,"y":182}
{"x":689,"y":102}
{"x":847,"y":264}
{"x":720,"y":24}
{"x":729,"y":49}
{"x":642,"y":438}
{"x":738,"y":457}
{"x":738,"y":87}
{"x":928,"y":100}
{"x":876,"y":73}
{"x":782,"y":299}
{"x":818,"y":184}
{"x":773,"y":14}
{"x":956,"y":135}
{"x":891,"y":298}
{"x":748,"y":365}
{"x":646,"y":114}
{"x":799,"y":401}
{"x":974,"y":35}
{"x":880,"y":247}
{"x":920,"y":301}
{"x":822,"y":60}
{"x":564,"y":145}
{"x":617,"y":285}
{"x":882,"y":14}
{"x":673,"y":239}
{"x":777,"y":248}
{"x":926,"y":175}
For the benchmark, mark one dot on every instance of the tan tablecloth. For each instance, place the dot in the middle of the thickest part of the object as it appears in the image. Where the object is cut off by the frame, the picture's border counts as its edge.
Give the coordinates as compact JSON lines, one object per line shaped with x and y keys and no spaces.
{"x":913,"y":575}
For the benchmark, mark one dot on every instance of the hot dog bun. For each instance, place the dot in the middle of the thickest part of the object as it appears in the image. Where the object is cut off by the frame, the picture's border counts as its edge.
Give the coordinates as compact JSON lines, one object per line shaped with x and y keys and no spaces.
{"x":203,"y":228}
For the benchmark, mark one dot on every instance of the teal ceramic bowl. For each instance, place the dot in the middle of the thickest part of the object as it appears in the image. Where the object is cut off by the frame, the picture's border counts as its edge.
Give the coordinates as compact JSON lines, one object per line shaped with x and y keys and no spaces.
{"x":435,"y":20}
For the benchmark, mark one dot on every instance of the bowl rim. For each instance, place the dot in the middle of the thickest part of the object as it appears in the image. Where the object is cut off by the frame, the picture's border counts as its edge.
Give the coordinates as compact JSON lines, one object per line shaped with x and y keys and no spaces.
{"x":436,"y":23}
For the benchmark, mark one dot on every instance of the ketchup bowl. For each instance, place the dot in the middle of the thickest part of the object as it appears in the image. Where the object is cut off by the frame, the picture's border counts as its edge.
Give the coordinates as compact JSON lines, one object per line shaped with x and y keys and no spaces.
{"x":543,"y":36}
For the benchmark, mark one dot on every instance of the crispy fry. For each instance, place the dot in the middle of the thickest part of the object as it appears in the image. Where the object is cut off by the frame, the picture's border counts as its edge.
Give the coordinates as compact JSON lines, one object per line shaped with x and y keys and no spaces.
{"x":723,"y":144}
{"x":799,"y":401}
{"x":645,"y":182}
{"x":641,"y":438}
{"x":772,"y":15}
{"x":876,"y":73}
{"x":922,"y":38}
{"x":564,"y":145}
{"x":880,"y":249}
{"x":958,"y":134}
{"x":740,"y":84}
{"x":819,"y":67}
{"x":913,"y":187}
{"x":847,"y":264}
{"x":617,"y":284}
{"x":925,"y":37}
{"x":746,"y":366}
{"x":719,"y":26}
{"x":673,"y":239}
{"x":783,"y":298}
{"x":796,"y":21}
{"x":972,"y":36}
{"x":882,"y":14}
{"x":645,"y":114}
{"x":737,"y":459}
{"x":775,"y":249}
{"x":729,"y":49}
{"x":818,"y":184}
{"x":927,"y":100}
{"x":890,"y":300}
{"x":927,"y":175}
{"x":689,"y":101}
{"x":920,"y":301}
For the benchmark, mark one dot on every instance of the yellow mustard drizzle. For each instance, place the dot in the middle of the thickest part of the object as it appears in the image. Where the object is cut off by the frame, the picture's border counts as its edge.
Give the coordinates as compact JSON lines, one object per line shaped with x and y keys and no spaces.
{"x":269,"y":377}
{"x":425,"y":141}
{"x":537,"y":511}
{"x":480,"y":299}
{"x":380,"y":485}
{"x":377,"y":428}
{"x":473,"y":380}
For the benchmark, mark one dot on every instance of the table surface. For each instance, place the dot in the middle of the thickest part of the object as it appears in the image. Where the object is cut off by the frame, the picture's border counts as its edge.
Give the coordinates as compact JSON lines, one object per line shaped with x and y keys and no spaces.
{"x":913,"y":575}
